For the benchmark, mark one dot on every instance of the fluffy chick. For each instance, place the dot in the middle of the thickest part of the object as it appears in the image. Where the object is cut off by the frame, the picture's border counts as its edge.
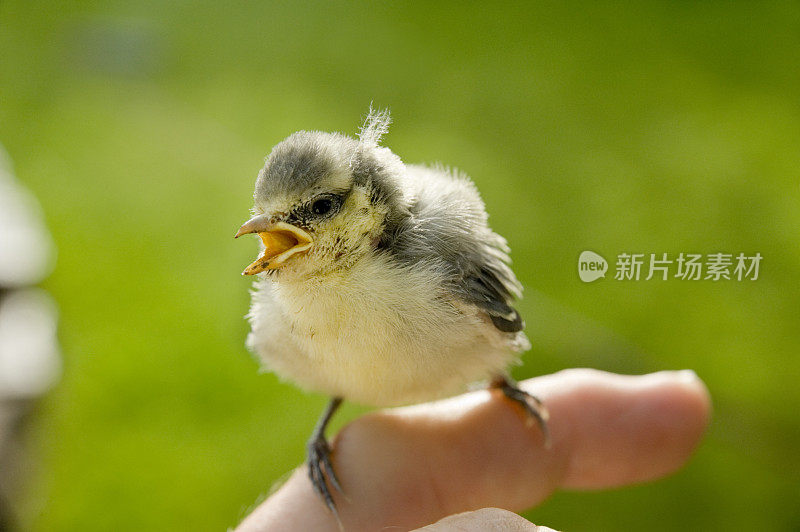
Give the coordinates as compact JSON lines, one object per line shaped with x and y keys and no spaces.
{"x":379,"y":282}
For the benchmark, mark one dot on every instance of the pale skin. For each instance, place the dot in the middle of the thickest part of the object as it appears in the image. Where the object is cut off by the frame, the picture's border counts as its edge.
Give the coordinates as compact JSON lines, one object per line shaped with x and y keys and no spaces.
{"x":444,"y":465}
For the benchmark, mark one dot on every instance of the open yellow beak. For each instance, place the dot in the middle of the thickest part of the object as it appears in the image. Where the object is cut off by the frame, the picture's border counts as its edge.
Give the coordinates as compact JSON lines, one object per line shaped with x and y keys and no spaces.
{"x":281,"y":241}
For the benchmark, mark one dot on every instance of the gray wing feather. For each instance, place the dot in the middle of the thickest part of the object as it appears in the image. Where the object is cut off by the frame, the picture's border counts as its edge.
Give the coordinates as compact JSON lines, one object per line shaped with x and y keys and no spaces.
{"x":447,"y":226}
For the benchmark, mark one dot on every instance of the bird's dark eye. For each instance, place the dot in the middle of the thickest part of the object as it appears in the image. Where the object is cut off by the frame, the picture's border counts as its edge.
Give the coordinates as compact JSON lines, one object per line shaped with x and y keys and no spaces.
{"x":322,"y":206}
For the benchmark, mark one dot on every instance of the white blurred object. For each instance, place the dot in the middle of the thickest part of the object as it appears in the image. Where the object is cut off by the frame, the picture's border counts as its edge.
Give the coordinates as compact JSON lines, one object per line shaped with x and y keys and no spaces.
{"x":26,"y":251}
{"x":30,"y":362}
{"x":29,"y":355}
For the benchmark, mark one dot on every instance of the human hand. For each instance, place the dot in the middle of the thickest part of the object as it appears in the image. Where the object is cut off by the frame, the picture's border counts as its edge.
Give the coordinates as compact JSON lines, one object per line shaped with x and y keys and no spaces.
{"x":408,"y":467}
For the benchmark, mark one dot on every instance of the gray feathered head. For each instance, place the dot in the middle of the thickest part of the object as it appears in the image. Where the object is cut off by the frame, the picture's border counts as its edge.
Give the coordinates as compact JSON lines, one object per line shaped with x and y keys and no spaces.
{"x":322,"y":199}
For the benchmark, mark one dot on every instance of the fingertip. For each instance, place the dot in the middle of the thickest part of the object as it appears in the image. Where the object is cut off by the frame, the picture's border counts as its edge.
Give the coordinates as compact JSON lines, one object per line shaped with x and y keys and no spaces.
{"x":629,"y":429}
{"x":681,"y":408}
{"x":699,"y":393}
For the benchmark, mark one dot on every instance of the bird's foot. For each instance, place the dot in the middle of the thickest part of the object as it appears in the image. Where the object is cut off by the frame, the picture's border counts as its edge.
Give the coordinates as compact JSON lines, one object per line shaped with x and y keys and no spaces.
{"x":321,"y":473}
{"x":533,"y":405}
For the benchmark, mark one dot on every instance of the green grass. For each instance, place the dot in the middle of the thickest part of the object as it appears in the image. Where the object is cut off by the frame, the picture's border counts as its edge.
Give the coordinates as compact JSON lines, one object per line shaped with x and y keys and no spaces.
{"x":643,"y":127}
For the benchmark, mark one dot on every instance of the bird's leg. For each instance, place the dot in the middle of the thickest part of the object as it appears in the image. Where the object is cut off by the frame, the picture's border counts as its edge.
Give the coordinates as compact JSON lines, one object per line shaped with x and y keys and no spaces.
{"x":320,"y":468}
{"x":533,"y":405}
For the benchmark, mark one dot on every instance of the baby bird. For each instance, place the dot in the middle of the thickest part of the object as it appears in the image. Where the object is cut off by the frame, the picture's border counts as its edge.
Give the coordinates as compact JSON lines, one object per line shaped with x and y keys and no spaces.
{"x":378,"y":282}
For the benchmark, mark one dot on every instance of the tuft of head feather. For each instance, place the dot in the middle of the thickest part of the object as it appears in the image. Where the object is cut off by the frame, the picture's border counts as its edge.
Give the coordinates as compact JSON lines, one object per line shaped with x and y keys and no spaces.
{"x":375,"y":126}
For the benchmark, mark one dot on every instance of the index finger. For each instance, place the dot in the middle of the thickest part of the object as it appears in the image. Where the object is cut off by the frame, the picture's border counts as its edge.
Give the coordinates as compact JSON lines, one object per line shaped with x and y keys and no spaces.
{"x":411,"y":466}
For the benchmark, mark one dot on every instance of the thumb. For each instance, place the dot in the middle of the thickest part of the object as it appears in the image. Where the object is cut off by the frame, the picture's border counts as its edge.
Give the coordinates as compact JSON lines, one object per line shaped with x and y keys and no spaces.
{"x":485,"y":520}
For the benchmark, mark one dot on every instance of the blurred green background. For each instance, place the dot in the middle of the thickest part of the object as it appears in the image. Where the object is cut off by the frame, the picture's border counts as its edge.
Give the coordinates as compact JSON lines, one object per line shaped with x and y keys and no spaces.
{"x":639,"y":127}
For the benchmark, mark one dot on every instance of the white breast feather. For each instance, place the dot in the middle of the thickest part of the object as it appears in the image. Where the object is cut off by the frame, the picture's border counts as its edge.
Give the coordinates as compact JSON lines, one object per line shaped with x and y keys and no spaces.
{"x":376,"y":333}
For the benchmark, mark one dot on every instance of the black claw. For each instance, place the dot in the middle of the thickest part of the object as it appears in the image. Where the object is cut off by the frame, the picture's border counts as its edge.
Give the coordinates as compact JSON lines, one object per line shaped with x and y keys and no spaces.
{"x":320,"y":467}
{"x":330,"y":472}
{"x":320,"y":471}
{"x":532,"y":404}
